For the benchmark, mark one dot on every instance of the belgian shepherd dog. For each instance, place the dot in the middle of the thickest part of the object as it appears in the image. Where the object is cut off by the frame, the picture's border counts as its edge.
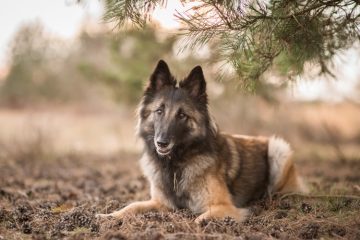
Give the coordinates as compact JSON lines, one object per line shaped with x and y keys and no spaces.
{"x":191,"y":164}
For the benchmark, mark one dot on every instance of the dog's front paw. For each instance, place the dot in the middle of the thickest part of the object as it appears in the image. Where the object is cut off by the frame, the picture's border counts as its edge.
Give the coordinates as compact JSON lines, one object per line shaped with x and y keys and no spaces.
{"x":117,"y":214}
{"x":202,"y":219}
{"x":238,"y":214}
{"x":102,"y":215}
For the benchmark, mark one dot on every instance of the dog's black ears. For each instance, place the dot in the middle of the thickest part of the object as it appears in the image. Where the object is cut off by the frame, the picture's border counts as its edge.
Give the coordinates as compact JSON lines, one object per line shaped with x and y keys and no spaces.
{"x":160,"y":78}
{"x":195,"y":84}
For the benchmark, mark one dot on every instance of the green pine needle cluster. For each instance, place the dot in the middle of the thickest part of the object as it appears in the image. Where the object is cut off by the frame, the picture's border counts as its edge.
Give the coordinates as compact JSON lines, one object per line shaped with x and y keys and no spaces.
{"x":260,"y":36}
{"x":137,"y":12}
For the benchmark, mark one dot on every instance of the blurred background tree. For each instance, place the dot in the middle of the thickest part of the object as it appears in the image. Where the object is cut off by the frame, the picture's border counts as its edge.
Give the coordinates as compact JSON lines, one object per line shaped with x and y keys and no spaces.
{"x":280,"y":36}
{"x":98,"y":66}
{"x":38,"y":70}
{"x":29,"y":53}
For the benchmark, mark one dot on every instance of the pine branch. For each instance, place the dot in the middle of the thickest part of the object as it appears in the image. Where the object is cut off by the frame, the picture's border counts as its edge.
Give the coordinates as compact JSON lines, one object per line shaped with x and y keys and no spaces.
{"x":255,"y":36}
{"x":137,"y":12}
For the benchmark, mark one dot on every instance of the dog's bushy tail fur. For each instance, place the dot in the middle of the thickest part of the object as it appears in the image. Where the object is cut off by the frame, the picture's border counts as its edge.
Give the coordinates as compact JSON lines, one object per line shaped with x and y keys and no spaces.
{"x":283,"y":175}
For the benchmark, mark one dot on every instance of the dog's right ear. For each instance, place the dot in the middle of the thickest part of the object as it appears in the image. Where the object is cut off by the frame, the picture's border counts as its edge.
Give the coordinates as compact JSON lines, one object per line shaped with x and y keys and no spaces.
{"x":160,"y":78}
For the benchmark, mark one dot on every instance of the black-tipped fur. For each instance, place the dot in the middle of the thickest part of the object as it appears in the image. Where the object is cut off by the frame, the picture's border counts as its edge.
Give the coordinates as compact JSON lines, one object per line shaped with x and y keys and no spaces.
{"x":160,"y":78}
{"x":190,"y":164}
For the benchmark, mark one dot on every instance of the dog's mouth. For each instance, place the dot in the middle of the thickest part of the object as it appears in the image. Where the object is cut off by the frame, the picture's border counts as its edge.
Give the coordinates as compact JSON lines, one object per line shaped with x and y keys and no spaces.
{"x":163,"y":151}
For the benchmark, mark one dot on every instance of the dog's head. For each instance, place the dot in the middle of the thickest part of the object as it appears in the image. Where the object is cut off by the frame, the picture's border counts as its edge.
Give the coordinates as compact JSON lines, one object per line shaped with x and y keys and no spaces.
{"x":172,"y":116}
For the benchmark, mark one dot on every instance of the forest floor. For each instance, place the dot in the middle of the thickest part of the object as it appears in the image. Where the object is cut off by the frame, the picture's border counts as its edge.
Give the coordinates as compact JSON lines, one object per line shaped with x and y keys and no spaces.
{"x":49,"y":196}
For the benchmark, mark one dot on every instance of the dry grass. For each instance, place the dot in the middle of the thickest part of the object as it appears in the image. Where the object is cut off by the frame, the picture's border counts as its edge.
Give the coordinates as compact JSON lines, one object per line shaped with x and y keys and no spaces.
{"x":58,"y":199}
{"x":51,"y":189}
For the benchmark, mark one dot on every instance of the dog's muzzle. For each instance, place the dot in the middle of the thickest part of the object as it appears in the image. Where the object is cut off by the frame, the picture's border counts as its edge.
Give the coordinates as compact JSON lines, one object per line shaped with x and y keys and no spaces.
{"x":163,"y":148}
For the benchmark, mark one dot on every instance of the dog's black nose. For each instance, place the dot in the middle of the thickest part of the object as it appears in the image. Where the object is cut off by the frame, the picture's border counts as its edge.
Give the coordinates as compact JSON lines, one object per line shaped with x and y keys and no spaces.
{"x":162,"y":143}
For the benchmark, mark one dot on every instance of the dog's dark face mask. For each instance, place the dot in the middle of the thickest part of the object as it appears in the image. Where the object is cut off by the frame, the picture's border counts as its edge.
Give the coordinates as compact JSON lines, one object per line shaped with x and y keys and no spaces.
{"x":172,"y":116}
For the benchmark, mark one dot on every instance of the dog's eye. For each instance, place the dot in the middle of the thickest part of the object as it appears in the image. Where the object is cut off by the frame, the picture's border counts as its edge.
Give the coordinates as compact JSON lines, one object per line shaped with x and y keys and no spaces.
{"x":159,"y":111}
{"x":182,"y":115}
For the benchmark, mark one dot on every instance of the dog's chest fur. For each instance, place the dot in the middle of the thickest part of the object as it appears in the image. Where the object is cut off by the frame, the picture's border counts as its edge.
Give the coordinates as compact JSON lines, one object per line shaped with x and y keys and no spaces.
{"x":182,"y":185}
{"x":175,"y":187}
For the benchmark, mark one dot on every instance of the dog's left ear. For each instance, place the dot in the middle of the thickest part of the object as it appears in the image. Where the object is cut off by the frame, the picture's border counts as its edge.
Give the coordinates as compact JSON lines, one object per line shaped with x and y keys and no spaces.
{"x":195,"y":84}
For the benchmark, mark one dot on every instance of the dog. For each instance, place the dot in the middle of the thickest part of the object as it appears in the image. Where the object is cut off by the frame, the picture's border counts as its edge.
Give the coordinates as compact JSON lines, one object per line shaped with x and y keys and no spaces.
{"x":190,"y":164}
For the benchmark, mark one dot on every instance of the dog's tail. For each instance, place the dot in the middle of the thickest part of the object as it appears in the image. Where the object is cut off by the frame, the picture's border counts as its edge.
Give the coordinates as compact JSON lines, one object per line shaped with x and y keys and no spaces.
{"x":283,"y":175}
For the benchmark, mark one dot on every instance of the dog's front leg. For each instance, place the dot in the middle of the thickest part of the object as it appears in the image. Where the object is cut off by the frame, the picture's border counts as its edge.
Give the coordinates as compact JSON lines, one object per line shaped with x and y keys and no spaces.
{"x":219,"y":203}
{"x":136,"y":208}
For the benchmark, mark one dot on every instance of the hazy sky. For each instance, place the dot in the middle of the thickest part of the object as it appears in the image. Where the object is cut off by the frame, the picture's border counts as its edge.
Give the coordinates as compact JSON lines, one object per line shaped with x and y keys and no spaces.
{"x":345,"y":85}
{"x":61,"y":17}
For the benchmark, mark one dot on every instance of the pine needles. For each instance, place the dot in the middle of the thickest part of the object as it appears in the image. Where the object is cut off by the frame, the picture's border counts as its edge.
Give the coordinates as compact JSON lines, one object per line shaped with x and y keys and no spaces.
{"x":137,"y":12}
{"x":258,"y":36}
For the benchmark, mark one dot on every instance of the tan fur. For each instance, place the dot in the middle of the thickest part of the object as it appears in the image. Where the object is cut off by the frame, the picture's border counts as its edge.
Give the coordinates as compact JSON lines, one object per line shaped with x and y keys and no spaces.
{"x":138,"y":207}
{"x":290,"y":180}
{"x":215,"y":175}
{"x":219,"y":202}
{"x":206,"y":179}
{"x":235,"y":165}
